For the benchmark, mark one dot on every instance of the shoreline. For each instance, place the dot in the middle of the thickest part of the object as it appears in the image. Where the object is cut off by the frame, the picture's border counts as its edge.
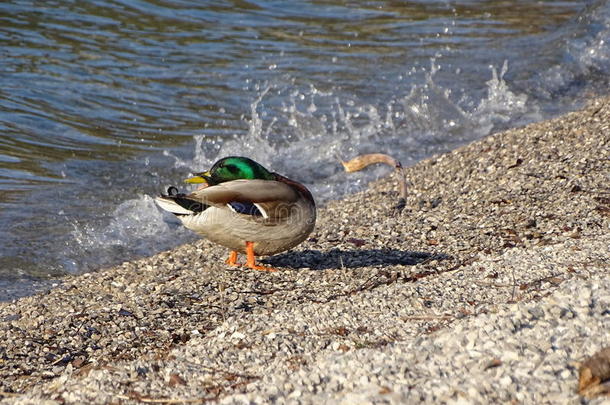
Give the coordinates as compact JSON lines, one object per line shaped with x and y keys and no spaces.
{"x":370,"y":307}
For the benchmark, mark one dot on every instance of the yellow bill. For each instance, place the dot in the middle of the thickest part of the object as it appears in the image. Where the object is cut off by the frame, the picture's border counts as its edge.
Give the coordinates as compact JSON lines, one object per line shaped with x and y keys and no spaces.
{"x":198,"y":178}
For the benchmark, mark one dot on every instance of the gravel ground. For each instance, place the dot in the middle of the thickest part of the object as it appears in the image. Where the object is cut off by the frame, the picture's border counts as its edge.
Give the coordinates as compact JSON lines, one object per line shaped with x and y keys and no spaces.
{"x":489,"y":287}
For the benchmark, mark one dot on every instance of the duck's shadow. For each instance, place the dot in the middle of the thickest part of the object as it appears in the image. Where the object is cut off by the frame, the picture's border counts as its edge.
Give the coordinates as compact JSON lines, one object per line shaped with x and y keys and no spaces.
{"x":337,"y":258}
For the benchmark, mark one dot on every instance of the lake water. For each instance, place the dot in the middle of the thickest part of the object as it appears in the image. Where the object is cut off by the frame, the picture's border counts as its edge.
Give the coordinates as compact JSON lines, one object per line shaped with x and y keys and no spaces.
{"x":105,"y":103}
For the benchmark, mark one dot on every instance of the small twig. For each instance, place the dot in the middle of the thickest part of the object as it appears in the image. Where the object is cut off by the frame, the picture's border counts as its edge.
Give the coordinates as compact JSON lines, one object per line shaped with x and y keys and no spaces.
{"x":426,"y":318}
{"x":553,"y":279}
{"x":9,"y":394}
{"x":413,"y":278}
{"x":490,"y":284}
{"x":221,"y":290}
{"x":225,"y":372}
{"x":369,"y":284}
{"x":512,"y":295}
{"x":165,"y":400}
{"x":264,"y":292}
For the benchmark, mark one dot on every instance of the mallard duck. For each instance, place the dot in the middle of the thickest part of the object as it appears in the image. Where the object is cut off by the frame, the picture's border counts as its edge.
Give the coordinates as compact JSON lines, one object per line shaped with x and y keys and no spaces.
{"x":243,"y":206}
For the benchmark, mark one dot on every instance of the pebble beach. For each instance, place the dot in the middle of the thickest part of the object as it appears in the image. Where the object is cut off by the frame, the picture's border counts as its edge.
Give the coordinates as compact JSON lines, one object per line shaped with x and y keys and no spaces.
{"x":491,"y":285}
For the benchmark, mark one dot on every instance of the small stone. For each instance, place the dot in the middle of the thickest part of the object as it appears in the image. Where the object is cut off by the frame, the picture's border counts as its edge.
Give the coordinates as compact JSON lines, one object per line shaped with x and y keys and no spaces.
{"x":238,"y":335}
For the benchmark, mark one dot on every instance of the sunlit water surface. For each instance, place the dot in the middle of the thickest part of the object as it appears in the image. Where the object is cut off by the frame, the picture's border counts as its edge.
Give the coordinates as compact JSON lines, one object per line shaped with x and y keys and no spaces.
{"x":105,"y":103}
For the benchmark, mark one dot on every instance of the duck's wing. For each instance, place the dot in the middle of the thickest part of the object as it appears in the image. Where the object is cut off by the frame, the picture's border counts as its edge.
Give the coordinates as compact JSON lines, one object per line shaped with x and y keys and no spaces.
{"x":269,"y":199}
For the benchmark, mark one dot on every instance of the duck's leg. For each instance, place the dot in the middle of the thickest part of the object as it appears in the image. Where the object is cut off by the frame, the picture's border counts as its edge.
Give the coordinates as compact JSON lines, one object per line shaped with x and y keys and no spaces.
{"x":232,"y":260}
{"x":251,"y":260}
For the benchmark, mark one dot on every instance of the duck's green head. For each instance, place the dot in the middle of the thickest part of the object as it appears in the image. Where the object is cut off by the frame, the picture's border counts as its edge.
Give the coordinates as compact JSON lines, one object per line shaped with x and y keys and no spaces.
{"x":232,"y":168}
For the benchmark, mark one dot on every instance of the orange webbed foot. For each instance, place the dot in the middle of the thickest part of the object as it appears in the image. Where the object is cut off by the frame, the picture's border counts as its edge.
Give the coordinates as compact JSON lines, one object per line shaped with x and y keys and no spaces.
{"x":232,"y":260}
{"x":251,"y":259}
{"x":258,"y":267}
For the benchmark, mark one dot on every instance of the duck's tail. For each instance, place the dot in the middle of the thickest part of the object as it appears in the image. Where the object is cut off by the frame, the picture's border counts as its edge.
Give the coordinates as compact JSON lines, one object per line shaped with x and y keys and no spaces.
{"x":178,"y":203}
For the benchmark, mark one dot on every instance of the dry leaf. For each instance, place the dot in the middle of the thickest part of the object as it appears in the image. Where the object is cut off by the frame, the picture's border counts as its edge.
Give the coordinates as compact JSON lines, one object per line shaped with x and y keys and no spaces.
{"x":175,"y":380}
{"x":493,"y":363}
{"x":593,"y":373}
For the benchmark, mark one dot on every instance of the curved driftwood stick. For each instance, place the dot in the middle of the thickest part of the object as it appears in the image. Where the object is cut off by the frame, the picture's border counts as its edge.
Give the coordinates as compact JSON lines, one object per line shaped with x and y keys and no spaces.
{"x":362,"y":161}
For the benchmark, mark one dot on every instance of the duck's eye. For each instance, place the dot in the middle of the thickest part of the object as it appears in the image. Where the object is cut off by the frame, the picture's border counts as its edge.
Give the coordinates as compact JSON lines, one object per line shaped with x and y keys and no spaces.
{"x":233,"y":169}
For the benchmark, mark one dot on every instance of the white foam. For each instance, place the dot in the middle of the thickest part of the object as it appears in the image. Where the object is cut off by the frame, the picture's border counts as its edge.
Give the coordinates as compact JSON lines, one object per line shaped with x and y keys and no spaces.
{"x":136,"y":227}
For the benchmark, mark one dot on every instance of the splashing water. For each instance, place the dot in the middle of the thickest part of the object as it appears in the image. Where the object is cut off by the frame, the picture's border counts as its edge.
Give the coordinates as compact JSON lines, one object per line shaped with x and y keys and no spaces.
{"x":137,"y":227}
{"x":308,"y":148}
